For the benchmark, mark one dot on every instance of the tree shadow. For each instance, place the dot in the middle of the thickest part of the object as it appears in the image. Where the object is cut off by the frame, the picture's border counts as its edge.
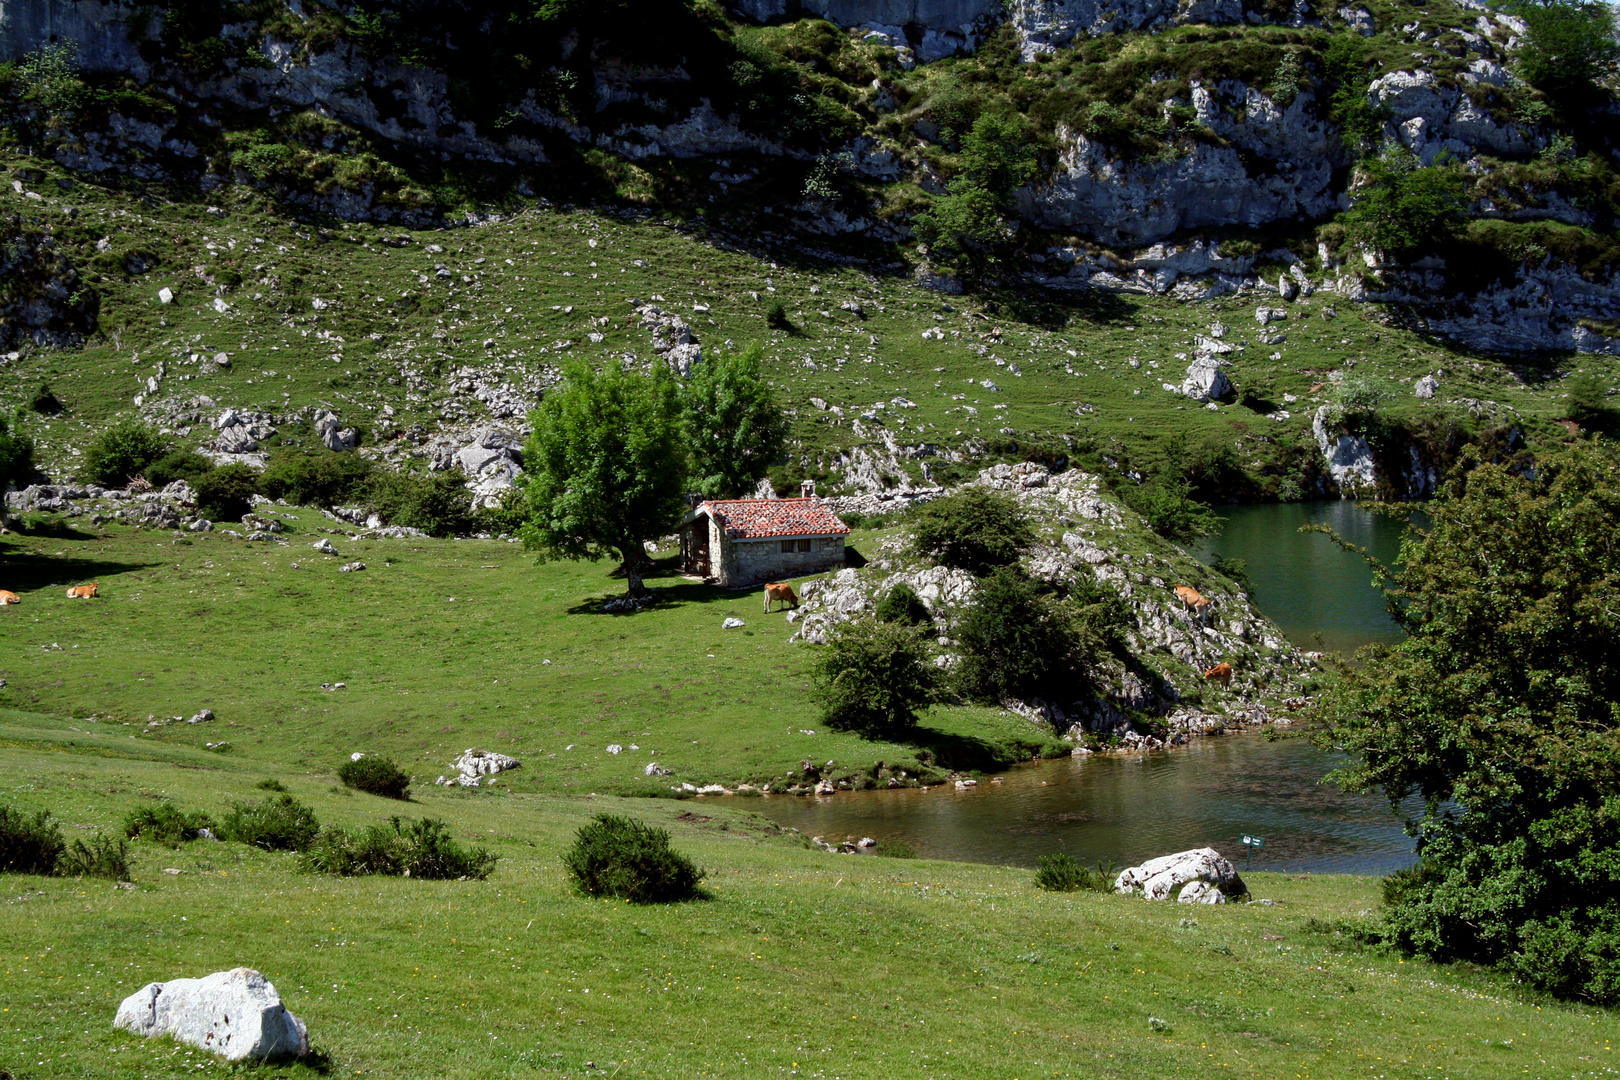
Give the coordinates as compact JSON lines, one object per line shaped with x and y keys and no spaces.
{"x":668,"y":596}
{"x":962,"y":753}
{"x":28,"y":571}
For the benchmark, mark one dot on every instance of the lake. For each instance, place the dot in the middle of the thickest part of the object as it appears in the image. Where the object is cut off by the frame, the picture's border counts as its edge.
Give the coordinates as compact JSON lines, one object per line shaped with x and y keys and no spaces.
{"x":1127,"y":808}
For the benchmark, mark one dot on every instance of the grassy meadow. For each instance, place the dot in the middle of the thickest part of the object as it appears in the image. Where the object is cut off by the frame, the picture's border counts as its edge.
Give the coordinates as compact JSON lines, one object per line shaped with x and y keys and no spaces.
{"x":801,"y":962}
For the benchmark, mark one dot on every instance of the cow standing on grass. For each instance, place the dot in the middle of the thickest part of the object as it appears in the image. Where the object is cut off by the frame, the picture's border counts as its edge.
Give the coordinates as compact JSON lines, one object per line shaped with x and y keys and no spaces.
{"x":780,"y":591}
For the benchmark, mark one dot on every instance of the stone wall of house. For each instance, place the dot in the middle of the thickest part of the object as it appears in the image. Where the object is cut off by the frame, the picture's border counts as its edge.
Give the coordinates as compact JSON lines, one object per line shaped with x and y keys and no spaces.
{"x":753,"y":562}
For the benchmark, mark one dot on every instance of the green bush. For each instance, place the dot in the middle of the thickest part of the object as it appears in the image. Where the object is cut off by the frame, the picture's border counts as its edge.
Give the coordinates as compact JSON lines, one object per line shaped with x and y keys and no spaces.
{"x":103,"y":856}
{"x":225,"y":493}
{"x":28,"y":845}
{"x":1234,"y":569}
{"x":165,"y":823}
{"x":436,"y":503}
{"x":1016,"y":642}
{"x":322,"y":479}
{"x":895,"y":849}
{"x":1062,"y":873}
{"x":872,"y":677}
{"x":187,"y":465}
{"x":975,"y":530}
{"x":279,"y":824}
{"x":901,"y":604}
{"x":402,"y":848}
{"x":377,"y":776}
{"x":620,"y":857}
{"x":16,"y":459}
{"x":1588,"y":398}
{"x":1569,"y":49}
{"x":776,"y":316}
{"x":121,"y":453}
{"x":44,"y":402}
{"x":1406,"y":207}
{"x":1168,"y":508}
{"x":270,"y":784}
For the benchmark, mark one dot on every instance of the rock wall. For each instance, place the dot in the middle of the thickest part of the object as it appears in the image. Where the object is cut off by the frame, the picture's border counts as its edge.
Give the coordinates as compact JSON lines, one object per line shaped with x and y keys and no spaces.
{"x":101,"y":29}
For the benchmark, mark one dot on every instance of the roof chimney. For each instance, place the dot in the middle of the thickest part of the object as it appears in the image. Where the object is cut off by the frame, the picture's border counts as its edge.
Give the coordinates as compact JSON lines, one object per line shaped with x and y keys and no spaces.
{"x":807,"y":489}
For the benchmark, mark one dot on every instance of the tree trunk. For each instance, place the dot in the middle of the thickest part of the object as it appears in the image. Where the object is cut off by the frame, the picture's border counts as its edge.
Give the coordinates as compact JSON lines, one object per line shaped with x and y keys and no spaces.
{"x":634,"y":555}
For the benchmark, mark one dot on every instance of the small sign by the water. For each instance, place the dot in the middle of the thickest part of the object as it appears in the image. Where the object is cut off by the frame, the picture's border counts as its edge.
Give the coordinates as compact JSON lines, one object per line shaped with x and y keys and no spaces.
{"x":1254,"y":841}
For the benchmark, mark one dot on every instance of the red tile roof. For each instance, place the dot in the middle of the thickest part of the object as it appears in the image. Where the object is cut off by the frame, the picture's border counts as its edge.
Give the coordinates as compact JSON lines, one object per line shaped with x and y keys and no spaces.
{"x":754,"y":519}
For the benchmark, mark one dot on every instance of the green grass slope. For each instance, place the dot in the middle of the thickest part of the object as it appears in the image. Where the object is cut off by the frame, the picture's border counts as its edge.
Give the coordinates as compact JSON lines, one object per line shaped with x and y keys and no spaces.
{"x":802,"y":963}
{"x":341,"y":318}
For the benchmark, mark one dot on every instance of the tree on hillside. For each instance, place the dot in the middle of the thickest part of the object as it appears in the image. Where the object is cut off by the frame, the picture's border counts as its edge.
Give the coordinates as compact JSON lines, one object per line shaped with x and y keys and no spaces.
{"x":1501,"y":711}
{"x":1405,"y":207}
{"x":121,"y":453}
{"x":873,"y":676}
{"x":1570,"y":47}
{"x":975,"y":530}
{"x":603,"y":467}
{"x":16,"y":463}
{"x":733,"y":425}
{"x":1017,"y":642}
{"x":997,"y":158}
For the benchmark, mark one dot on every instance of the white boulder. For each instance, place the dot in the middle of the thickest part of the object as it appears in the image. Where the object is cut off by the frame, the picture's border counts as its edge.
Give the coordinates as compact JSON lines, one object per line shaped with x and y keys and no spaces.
{"x":1206,"y":380}
{"x":474,"y":765}
{"x":236,"y":1014}
{"x":1186,"y":875}
{"x":1426,"y":387}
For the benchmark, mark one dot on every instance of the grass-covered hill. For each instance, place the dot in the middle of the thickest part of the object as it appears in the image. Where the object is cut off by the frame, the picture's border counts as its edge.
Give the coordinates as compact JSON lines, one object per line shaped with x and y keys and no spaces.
{"x":802,"y":962}
{"x":406,"y":333}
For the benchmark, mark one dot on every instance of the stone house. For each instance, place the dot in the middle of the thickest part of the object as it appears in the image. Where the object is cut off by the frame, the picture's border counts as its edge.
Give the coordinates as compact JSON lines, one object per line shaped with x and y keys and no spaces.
{"x":744,"y":542}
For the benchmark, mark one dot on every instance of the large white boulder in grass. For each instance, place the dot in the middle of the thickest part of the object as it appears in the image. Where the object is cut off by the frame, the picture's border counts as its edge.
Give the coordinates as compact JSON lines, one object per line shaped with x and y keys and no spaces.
{"x":236,"y":1014}
{"x":1199,"y":876}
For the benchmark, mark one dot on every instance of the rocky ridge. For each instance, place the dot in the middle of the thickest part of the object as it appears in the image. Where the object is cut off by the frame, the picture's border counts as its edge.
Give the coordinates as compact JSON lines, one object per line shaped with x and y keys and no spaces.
{"x":1084,"y":533}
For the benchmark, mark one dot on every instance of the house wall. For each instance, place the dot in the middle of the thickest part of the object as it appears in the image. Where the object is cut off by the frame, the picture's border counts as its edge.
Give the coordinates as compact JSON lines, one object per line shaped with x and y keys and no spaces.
{"x":753,"y":562}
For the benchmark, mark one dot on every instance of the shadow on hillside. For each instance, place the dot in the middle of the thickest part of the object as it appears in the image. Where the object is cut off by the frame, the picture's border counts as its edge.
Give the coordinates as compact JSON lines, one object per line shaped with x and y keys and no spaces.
{"x":961,"y":753}
{"x":27,"y":571}
{"x":663,"y":596}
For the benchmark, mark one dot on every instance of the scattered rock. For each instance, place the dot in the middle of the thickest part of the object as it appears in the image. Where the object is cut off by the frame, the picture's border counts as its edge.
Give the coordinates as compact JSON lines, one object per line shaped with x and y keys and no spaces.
{"x":236,"y":1014}
{"x":476,"y":766}
{"x":614,"y":748}
{"x":324,"y":546}
{"x":731,"y":624}
{"x":349,"y":568}
{"x":1426,"y":387}
{"x":654,"y":769}
{"x":202,"y":717}
{"x":1164,"y":877}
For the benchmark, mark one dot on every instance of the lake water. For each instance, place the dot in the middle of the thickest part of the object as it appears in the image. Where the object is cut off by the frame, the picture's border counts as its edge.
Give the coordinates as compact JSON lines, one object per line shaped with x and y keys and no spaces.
{"x":1124,"y":809}
{"x":1319,"y":595}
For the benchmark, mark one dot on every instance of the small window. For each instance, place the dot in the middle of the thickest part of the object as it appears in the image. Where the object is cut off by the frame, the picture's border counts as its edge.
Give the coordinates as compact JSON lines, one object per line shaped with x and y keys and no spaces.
{"x":804,"y":545}
{"x":787,"y":547}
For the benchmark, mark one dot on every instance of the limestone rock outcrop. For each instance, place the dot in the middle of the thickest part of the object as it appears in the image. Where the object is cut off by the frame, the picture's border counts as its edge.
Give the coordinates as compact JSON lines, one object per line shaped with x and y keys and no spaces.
{"x":1200,"y":876}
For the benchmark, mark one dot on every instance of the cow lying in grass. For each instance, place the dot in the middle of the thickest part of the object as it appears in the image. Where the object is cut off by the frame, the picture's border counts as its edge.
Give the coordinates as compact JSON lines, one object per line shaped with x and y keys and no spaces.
{"x":9,"y":597}
{"x":780,"y":591}
{"x":82,"y":592}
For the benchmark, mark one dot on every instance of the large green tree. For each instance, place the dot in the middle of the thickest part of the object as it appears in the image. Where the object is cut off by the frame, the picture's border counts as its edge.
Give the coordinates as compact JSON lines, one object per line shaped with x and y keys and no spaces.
{"x":603,"y":466}
{"x":734,"y":427}
{"x":1499,"y":712}
{"x":1569,"y":48}
{"x":1403,"y":206}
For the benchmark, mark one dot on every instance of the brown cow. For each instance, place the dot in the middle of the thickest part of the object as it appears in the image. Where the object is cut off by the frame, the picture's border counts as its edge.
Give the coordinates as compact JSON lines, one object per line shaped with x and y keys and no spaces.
{"x":9,"y":597}
{"x":82,"y":592}
{"x":1196,"y":601}
{"x":782,"y":591}
{"x":1221,"y":673}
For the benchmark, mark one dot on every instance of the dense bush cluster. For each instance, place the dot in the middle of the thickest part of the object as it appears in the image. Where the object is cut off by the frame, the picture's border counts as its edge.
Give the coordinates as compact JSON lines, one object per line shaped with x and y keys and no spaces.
{"x":281,"y":823}
{"x":873,"y":677}
{"x":402,"y":848}
{"x":34,"y":845}
{"x":1064,"y":873}
{"x":975,"y":530}
{"x":620,"y":857}
{"x":377,"y":776}
{"x":165,"y":823}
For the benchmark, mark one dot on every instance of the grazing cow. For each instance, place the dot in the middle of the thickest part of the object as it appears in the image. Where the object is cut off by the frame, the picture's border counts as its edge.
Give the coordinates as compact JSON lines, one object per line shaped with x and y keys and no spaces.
{"x":1196,"y":601}
{"x":9,"y":597}
{"x":780,"y":591}
{"x":1221,"y":673}
{"x":82,"y":592}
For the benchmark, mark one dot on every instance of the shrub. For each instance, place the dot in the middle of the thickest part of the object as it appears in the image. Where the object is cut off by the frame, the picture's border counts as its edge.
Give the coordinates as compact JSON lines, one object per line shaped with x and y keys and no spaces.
{"x":1569,"y":49}
{"x":268,"y":784}
{"x":16,"y":460}
{"x":895,"y":849}
{"x":322,"y":479}
{"x":28,"y":845}
{"x":1405,"y":207}
{"x":44,"y":402}
{"x":1098,"y":614}
{"x":280,"y":824}
{"x":872,"y":677}
{"x":436,"y":503}
{"x":376,"y":775}
{"x":1016,"y":642}
{"x":618,"y":856}
{"x":187,"y":465}
{"x":225,"y":493}
{"x":776,"y":316}
{"x":165,"y":823}
{"x":1062,"y":873}
{"x":418,"y":849}
{"x":901,"y":604}
{"x":975,"y":530}
{"x":1169,"y":509}
{"x":104,"y":856}
{"x":1236,"y":570}
{"x":121,"y":453}
{"x":1588,"y":398}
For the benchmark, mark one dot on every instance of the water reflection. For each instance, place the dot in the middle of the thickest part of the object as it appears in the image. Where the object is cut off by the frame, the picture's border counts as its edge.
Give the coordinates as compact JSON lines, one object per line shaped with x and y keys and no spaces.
{"x":1126,"y":809}
{"x":1319,"y":595}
